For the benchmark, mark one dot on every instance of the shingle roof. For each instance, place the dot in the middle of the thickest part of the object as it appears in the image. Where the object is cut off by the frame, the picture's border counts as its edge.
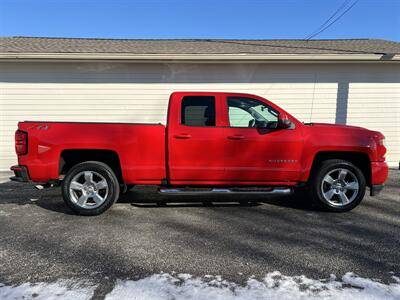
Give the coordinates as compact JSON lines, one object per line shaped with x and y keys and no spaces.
{"x":193,"y":46}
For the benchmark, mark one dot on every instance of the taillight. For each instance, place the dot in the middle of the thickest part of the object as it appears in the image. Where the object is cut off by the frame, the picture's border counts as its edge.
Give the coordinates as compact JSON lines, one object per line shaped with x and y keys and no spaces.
{"x":21,"y":142}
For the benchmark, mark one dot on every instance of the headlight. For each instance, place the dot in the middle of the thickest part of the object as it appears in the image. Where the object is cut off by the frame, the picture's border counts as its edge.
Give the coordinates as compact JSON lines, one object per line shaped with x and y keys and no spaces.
{"x":382,"y":142}
{"x":382,"y":149}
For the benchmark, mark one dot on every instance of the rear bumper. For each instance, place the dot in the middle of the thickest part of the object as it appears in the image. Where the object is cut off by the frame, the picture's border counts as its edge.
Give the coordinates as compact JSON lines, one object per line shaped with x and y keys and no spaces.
{"x":20,"y":174}
{"x":376,"y":189}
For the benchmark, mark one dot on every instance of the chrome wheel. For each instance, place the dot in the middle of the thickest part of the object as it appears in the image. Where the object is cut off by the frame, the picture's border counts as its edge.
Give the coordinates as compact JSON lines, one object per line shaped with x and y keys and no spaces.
{"x":88,"y":189}
{"x":340,"y":187}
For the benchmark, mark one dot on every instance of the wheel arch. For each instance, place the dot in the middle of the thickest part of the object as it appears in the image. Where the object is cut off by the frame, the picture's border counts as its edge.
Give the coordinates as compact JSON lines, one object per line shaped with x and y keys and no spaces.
{"x":72,"y":157}
{"x":359,"y":159}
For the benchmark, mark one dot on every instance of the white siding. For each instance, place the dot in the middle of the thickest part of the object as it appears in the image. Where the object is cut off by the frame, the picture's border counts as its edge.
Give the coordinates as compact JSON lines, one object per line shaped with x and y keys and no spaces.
{"x":369,"y":93}
{"x":377,"y":107}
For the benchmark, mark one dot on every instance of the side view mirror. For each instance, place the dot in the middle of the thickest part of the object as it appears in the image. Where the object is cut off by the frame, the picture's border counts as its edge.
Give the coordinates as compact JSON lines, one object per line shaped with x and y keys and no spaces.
{"x":266,"y":125}
{"x":260,"y":124}
{"x":284,"y":123}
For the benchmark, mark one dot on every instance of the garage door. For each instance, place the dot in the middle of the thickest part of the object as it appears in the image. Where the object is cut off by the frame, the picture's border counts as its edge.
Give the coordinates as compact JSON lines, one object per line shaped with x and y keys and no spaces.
{"x":364,"y":95}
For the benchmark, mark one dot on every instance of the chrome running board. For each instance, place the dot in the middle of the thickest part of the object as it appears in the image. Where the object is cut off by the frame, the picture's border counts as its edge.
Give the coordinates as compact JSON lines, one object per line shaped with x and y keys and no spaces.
{"x":226,"y":191}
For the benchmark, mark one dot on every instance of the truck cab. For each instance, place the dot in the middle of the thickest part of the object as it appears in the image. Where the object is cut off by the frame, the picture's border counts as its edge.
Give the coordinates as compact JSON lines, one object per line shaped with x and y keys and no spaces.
{"x":231,"y":139}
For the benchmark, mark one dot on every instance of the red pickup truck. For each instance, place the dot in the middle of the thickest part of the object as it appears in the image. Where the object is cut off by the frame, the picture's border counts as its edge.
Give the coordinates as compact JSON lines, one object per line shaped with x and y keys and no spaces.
{"x":219,"y":143}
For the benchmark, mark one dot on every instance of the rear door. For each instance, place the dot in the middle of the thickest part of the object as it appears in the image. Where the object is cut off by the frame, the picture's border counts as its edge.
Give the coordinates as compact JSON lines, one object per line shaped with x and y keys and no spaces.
{"x":195,"y":143}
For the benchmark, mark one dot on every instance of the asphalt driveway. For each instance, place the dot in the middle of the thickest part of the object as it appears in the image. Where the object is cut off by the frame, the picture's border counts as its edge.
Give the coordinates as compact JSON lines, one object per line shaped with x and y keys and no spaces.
{"x":41,"y":240}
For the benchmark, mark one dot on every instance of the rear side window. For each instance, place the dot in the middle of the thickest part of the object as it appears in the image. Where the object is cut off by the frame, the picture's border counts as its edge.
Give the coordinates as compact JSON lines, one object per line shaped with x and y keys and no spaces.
{"x":198,"y":111}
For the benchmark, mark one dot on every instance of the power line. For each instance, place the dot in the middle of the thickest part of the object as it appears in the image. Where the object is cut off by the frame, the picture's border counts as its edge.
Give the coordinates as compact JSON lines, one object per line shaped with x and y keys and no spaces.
{"x":344,"y":4}
{"x":333,"y":22}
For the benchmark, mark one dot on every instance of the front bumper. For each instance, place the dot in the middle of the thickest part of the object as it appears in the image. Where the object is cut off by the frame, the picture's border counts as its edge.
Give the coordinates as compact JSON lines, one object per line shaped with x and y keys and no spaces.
{"x":21,"y":174}
{"x":379,"y":174}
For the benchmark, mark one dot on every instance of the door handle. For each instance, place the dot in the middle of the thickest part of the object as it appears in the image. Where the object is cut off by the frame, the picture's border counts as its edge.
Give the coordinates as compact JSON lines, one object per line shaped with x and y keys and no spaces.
{"x":236,"y":137}
{"x":182,"y":136}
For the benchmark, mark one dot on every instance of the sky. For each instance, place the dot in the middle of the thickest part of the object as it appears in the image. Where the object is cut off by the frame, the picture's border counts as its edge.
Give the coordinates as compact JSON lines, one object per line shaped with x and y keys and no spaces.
{"x":234,"y":19}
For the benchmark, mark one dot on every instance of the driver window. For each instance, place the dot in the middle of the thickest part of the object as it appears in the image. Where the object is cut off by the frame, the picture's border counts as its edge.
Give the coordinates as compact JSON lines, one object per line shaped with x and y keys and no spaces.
{"x":246,"y":112}
{"x":239,"y":117}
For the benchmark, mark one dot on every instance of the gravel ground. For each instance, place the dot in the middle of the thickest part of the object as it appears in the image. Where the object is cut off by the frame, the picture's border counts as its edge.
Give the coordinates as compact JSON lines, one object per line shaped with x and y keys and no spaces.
{"x":41,"y":240}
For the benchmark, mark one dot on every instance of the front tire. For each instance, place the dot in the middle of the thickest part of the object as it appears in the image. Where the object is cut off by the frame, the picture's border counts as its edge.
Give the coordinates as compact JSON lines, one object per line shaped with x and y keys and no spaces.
{"x":337,"y":186}
{"x":90,"y":188}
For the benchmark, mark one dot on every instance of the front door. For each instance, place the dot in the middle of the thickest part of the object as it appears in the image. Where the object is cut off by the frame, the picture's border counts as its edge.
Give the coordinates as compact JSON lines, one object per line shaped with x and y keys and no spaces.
{"x":255,"y":155}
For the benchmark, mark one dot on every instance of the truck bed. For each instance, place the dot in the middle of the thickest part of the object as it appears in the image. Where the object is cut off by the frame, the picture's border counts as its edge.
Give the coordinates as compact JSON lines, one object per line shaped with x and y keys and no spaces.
{"x":140,"y":147}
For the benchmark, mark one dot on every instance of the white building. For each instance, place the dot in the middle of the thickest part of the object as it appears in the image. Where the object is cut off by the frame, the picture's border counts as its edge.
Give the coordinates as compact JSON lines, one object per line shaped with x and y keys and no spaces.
{"x":354,"y":82}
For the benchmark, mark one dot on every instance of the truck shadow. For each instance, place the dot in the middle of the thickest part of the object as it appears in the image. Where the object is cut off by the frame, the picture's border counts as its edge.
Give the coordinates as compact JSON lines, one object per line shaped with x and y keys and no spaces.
{"x":151,"y":199}
{"x":147,"y":197}
{"x":144,"y":198}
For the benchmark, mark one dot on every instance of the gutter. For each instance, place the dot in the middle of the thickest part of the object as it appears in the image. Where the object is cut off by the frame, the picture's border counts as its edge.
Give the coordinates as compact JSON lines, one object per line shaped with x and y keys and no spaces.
{"x":198,"y":57}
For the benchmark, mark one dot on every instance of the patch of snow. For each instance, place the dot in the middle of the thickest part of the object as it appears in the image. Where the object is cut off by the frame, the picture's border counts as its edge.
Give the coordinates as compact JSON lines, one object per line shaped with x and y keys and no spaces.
{"x":59,"y":290}
{"x":184,"y":276}
{"x":184,"y":286}
{"x":273,"y":286}
{"x":4,"y":214}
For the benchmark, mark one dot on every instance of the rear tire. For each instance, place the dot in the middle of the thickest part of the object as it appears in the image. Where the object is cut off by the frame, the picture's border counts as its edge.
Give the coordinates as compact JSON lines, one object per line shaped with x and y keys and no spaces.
{"x":337,"y":185}
{"x":90,"y":188}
